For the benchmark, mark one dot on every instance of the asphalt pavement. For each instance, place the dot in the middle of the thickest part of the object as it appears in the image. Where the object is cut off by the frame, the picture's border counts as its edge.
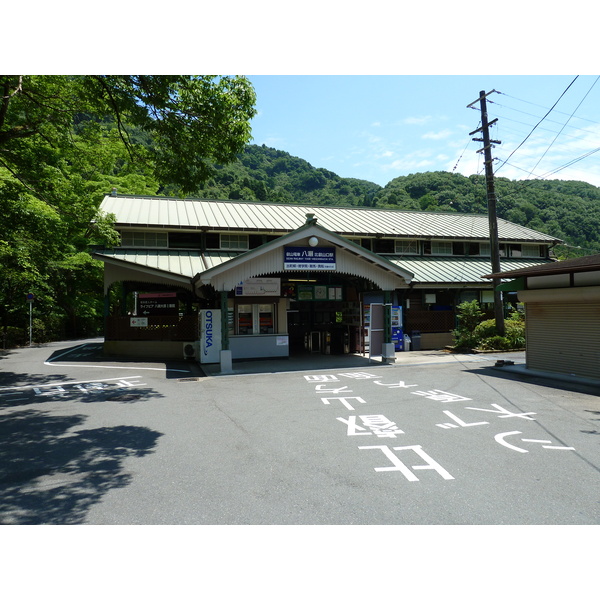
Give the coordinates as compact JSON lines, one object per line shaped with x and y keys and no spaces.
{"x":434,"y":438}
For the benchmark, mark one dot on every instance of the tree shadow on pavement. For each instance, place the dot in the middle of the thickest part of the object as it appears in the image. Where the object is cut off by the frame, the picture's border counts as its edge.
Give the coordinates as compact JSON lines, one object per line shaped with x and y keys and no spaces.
{"x":9,"y":378}
{"x":52,"y":470}
{"x":18,"y":389}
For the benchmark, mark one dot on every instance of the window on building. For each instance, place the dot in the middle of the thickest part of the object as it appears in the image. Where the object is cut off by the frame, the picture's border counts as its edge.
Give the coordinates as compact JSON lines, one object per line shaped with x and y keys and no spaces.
{"x":444,"y":248}
{"x":514,"y":250}
{"x":234,"y":242}
{"x":485,"y":249}
{"x":254,"y":241}
{"x":212,"y":241}
{"x":532,"y":251}
{"x":406,"y":247}
{"x":460,"y":248}
{"x":383,"y":246}
{"x":144,"y":239}
{"x":466,"y":249}
{"x":188,"y":240}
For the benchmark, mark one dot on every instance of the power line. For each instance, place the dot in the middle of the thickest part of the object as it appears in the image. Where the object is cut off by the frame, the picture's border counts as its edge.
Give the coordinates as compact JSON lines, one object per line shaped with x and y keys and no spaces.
{"x":547,"y":120}
{"x":570,"y":135}
{"x":531,"y":132}
{"x":570,"y":163}
{"x":463,"y":152}
{"x":555,"y":138}
{"x":539,"y":106}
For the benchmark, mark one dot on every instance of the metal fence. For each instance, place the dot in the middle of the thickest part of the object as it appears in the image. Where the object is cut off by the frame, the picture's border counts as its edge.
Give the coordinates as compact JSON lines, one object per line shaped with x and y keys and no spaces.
{"x":429,"y":321}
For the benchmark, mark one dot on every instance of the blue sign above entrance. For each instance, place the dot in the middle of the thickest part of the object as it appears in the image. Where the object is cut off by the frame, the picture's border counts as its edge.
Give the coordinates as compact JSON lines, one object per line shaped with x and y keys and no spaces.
{"x":306,"y":258}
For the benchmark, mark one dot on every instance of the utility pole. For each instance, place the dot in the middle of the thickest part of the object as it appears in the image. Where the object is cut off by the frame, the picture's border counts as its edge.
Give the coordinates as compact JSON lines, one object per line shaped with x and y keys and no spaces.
{"x":491,"y":203}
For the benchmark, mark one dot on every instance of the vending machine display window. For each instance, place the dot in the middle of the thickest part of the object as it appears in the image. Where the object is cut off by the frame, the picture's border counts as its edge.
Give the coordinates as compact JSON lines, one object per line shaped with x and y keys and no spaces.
{"x":255,"y":319}
{"x":265,"y":318}
{"x":244,"y":319}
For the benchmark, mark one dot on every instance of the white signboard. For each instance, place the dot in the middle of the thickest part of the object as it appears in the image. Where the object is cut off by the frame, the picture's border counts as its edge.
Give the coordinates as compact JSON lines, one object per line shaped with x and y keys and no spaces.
{"x":138,"y":322}
{"x":259,"y":286}
{"x":210,"y":336}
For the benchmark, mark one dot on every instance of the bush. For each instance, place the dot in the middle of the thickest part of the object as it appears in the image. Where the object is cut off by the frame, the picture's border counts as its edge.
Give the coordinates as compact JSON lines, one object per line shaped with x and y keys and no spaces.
{"x":515,"y":331}
{"x":496,"y":342}
{"x":469,"y":314}
{"x":486,"y":329}
{"x":473,"y":333}
{"x":15,"y":336}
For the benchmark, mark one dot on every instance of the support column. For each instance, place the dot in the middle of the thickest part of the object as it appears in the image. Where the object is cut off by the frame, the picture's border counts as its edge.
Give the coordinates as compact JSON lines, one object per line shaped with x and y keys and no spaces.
{"x":226,"y":358}
{"x":224,"y":322}
{"x":387,"y":317}
{"x":389,"y":352}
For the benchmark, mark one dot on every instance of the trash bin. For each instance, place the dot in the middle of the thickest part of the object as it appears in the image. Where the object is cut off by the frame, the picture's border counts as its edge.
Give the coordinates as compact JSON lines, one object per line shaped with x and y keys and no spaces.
{"x":406,"y":343}
{"x":416,"y":340}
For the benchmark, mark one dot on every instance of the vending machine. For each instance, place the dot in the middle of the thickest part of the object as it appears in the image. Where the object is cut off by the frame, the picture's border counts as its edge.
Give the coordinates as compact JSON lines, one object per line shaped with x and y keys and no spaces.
{"x":397,"y":333}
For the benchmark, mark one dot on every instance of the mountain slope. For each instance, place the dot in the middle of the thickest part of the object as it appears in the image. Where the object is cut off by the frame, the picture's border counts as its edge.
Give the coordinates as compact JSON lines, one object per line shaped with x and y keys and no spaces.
{"x":569,"y":210}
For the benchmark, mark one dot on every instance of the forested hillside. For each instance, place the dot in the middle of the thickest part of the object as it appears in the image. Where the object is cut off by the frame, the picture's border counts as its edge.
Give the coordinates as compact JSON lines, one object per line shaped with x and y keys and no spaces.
{"x":569,"y":210}
{"x":268,"y":175}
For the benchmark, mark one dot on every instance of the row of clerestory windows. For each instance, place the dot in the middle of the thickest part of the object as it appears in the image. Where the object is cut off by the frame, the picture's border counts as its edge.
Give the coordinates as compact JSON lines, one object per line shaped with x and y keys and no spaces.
{"x":241,"y":242}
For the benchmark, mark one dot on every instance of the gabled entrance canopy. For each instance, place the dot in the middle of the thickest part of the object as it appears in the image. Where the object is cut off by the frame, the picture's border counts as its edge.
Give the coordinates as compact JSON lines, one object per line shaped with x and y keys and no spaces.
{"x":351,"y":259}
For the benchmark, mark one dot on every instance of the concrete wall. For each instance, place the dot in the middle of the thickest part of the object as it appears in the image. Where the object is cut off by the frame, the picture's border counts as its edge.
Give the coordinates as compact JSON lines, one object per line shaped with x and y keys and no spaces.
{"x":145,"y":349}
{"x":259,"y":346}
{"x":436,"y":341}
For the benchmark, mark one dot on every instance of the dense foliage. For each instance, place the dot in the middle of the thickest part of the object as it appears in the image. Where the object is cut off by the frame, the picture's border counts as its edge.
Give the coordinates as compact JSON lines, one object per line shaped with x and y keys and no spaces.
{"x":475,"y":332}
{"x":64,"y":143}
{"x":264,"y":174}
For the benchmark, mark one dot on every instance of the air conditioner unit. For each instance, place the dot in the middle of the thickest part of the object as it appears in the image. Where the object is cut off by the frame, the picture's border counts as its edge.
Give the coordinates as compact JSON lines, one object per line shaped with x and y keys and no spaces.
{"x":190,"y":350}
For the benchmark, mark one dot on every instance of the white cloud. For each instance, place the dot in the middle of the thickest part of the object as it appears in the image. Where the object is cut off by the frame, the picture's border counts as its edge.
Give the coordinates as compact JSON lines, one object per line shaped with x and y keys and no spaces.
{"x":437,"y":135}
{"x":419,"y":160}
{"x":416,"y":120}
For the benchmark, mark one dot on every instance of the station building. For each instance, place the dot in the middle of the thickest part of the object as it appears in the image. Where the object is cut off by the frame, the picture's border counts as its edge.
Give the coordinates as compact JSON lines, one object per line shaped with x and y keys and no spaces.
{"x":277,"y":279}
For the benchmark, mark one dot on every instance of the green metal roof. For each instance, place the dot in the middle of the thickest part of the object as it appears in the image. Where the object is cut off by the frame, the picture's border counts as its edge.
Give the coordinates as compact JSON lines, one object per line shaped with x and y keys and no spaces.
{"x":265,"y":217}
{"x":433,"y":270}
{"x":426,"y":270}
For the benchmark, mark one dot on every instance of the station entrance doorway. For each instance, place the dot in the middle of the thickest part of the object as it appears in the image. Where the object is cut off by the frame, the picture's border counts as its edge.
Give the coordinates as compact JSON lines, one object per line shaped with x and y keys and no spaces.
{"x":324,"y":315}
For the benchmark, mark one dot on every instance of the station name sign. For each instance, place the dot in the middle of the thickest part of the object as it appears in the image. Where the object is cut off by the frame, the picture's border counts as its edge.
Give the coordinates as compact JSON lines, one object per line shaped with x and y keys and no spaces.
{"x":299,"y":258}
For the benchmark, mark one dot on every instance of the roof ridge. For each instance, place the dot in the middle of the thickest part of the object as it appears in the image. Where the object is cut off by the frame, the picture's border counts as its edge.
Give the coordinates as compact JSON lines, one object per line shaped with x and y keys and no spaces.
{"x":307,"y":206}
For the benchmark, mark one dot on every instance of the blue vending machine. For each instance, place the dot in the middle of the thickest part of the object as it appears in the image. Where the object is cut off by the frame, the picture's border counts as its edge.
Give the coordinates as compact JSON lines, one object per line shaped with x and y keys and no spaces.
{"x":397,"y":334}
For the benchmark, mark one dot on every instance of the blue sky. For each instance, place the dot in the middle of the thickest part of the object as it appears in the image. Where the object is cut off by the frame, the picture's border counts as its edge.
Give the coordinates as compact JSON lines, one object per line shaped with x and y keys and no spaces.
{"x":406,"y":111}
{"x":380,"y":127}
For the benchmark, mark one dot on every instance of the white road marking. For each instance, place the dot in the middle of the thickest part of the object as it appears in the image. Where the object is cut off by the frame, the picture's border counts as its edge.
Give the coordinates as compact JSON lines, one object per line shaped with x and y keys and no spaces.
{"x":28,"y":387}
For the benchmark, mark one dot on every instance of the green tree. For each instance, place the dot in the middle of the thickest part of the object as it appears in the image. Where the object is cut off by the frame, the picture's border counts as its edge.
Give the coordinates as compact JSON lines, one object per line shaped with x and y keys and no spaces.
{"x":66,"y":140}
